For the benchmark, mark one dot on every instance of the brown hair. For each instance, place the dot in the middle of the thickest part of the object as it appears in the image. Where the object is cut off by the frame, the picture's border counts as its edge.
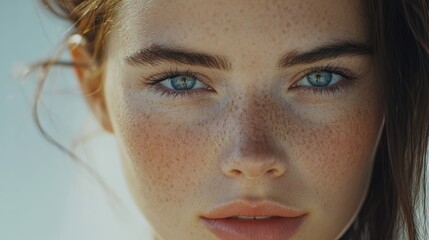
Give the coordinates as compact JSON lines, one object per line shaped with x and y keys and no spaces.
{"x":400,"y":38}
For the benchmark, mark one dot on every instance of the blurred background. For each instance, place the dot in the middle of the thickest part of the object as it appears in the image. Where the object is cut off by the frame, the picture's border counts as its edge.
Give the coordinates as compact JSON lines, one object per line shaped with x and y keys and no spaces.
{"x":44,"y":194}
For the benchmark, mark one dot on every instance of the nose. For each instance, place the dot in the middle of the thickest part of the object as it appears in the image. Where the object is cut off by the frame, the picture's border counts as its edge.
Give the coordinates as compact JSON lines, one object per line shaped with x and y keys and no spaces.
{"x":253,"y":152}
{"x":254,"y":166}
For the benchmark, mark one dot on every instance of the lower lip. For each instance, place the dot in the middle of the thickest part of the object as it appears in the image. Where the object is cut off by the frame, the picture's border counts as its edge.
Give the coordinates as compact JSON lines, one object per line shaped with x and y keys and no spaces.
{"x":279,"y":228}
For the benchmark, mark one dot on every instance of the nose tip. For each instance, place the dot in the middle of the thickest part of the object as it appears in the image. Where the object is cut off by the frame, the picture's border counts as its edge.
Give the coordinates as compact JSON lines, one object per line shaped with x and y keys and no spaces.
{"x":254,"y":168}
{"x":254,"y":148}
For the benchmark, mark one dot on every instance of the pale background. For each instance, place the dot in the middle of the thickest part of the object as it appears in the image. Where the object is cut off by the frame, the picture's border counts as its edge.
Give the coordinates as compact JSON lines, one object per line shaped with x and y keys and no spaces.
{"x":43,"y":194}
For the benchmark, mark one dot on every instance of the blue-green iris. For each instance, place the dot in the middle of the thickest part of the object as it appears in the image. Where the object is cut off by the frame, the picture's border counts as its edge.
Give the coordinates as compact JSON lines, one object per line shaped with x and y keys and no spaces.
{"x":319,"y":79}
{"x":182,"y":82}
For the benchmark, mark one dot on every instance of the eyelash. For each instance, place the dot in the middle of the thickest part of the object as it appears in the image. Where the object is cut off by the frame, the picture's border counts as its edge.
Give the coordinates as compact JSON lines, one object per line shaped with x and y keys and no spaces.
{"x":171,"y":73}
{"x":348,"y":79}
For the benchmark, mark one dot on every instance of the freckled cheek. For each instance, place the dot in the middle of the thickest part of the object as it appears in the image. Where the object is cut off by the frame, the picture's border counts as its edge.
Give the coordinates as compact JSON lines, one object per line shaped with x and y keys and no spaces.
{"x":166,"y":156}
{"x":338,"y":155}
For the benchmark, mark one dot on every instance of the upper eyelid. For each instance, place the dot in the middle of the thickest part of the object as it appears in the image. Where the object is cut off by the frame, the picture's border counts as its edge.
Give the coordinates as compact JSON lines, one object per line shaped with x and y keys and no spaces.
{"x":171,"y":74}
{"x":328,"y":68}
{"x":166,"y":73}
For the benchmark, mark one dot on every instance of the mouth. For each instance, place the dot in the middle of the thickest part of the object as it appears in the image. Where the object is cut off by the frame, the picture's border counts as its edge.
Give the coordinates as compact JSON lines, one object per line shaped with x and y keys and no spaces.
{"x":252,"y":217}
{"x":242,"y":220}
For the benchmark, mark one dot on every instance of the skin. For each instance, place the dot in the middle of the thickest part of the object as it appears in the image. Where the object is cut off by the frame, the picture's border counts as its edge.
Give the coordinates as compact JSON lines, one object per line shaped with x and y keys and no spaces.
{"x":254,"y":136}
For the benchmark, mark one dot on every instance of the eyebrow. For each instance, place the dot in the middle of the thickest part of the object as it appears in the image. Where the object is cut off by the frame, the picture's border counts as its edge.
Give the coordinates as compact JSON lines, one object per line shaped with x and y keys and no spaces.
{"x":156,"y":54}
{"x":329,"y":51}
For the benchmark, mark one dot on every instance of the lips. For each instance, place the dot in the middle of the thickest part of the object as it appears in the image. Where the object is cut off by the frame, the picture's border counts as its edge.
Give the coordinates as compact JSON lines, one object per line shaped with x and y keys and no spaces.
{"x":262,"y":220}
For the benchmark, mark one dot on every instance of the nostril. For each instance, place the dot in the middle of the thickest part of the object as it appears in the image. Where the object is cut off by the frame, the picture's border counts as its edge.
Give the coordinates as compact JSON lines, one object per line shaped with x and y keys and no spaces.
{"x":255,"y":166}
{"x":274,"y":172}
{"x":235,"y":172}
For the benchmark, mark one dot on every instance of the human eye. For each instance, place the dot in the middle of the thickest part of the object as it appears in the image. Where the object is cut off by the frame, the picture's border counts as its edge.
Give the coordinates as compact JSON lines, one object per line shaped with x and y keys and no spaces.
{"x":326,"y":80}
{"x":175,"y":83}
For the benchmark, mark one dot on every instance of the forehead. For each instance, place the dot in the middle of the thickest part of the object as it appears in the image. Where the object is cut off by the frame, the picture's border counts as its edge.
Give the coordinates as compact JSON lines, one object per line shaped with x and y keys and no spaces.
{"x":231,"y":25}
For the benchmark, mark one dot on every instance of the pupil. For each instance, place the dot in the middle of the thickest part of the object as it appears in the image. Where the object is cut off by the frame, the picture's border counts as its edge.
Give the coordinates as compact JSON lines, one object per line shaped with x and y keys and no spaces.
{"x":320,"y":79}
{"x":182,"y":83}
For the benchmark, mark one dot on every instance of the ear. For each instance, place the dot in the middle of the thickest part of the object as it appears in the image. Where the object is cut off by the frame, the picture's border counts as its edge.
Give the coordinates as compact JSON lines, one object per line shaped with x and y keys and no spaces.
{"x":90,"y":79}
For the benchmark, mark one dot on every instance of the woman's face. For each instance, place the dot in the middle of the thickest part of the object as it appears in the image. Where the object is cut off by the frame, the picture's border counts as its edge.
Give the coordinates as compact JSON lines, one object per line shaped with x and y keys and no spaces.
{"x":268,"y":102}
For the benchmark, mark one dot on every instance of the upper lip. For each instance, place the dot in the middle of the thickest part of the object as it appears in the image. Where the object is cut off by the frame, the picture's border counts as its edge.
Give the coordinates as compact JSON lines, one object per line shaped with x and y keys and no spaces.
{"x":252,"y":208}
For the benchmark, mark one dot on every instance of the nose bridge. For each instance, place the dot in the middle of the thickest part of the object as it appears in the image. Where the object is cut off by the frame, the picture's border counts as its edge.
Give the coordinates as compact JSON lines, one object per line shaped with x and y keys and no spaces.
{"x":254,"y":152}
